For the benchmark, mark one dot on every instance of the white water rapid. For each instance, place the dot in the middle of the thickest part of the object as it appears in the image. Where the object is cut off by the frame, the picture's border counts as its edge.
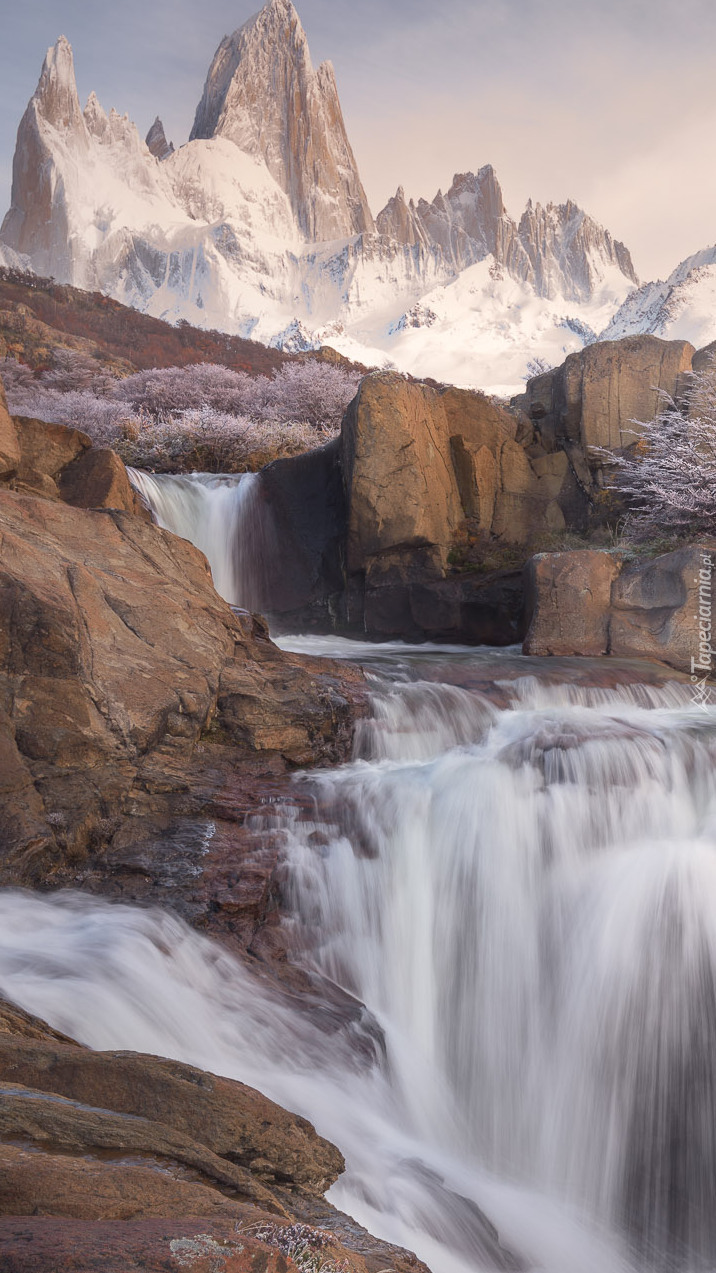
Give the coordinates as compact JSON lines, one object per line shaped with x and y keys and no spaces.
{"x":223,"y":516}
{"x":524,"y":896}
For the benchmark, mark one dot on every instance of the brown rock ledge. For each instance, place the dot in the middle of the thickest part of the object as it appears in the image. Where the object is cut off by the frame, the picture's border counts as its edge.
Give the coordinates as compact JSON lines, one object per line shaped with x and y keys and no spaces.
{"x":104,"y":1155}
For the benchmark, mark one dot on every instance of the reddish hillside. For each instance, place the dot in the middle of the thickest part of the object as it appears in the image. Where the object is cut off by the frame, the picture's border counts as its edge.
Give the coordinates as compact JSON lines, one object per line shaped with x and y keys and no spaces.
{"x":37,"y":315}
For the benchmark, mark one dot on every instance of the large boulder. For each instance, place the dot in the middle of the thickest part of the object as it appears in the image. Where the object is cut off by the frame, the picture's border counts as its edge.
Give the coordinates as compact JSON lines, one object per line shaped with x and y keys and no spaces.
{"x":230,"y":1120}
{"x":569,"y":600}
{"x":594,"y":397}
{"x":97,"y":478}
{"x":363,"y":528}
{"x":58,"y":463}
{"x":599,"y":602}
{"x":402,"y":489}
{"x":422,"y":466}
{"x":661,"y":609}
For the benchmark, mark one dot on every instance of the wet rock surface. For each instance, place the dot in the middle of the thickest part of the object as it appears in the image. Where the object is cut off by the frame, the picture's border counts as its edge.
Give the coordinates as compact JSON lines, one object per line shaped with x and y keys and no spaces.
{"x":94,"y":1146}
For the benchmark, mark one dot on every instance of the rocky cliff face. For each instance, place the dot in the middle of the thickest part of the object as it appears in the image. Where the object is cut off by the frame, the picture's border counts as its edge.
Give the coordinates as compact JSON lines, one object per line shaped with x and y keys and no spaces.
{"x":37,"y":222}
{"x":558,"y":249}
{"x":296,"y":126}
{"x":156,"y":141}
{"x":594,"y":399}
{"x":97,"y":680}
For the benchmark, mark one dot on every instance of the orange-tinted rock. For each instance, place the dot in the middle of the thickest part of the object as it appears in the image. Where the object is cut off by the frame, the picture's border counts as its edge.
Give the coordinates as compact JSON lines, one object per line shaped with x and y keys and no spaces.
{"x":401,"y":486}
{"x":48,"y":448}
{"x":593,"y":602}
{"x":115,"y":654}
{"x":9,"y":441}
{"x":35,"y":1183}
{"x":656,"y":606}
{"x":232,"y":1120}
{"x":569,"y":595}
{"x":477,"y":419}
{"x":596,"y":395}
{"x":98,"y":479}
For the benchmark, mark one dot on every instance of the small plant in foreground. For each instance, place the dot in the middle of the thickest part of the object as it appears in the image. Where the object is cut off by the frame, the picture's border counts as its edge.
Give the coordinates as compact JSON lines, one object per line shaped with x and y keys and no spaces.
{"x":309,"y":1248}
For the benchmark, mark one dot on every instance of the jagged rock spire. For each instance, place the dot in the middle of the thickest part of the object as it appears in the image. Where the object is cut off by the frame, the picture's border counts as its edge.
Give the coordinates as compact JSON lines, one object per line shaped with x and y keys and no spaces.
{"x":56,"y":93}
{"x":263,"y":93}
{"x":157,"y":142}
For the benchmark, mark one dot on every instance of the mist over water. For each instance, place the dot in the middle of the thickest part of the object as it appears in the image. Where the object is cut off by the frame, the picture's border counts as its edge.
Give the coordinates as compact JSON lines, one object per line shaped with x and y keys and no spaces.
{"x":524,"y":897}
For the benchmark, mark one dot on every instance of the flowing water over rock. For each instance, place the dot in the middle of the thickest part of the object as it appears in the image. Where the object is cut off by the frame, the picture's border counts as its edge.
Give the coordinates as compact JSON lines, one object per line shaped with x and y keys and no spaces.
{"x":521,"y":887}
{"x":222,"y":515}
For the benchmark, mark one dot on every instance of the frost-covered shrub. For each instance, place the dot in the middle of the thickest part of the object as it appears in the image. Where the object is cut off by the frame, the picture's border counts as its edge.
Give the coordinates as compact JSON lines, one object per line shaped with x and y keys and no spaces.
{"x":15,"y":375}
{"x":73,"y":370}
{"x":104,"y":420}
{"x":313,"y":392}
{"x":311,"y":1249}
{"x":164,"y":390}
{"x":204,"y":416}
{"x":668,"y":474}
{"x":213,"y":442}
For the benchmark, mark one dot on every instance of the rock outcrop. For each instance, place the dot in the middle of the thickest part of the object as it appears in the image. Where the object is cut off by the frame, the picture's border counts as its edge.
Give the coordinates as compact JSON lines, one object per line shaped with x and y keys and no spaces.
{"x":117,"y":659}
{"x":369,"y":525}
{"x":58,"y":463}
{"x":558,"y":250}
{"x":593,"y":399}
{"x":104,"y":1155}
{"x":9,"y":441}
{"x":107,"y":688}
{"x":156,"y":141}
{"x":296,"y":126}
{"x":594,"y":602}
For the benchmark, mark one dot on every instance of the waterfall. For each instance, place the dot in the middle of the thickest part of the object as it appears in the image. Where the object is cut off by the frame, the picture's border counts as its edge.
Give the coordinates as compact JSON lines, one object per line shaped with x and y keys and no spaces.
{"x":224,"y":516}
{"x":524,"y":897}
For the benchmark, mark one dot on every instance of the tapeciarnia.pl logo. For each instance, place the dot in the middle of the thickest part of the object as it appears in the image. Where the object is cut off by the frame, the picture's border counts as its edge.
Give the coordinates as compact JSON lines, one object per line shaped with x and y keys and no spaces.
{"x":704,"y":662}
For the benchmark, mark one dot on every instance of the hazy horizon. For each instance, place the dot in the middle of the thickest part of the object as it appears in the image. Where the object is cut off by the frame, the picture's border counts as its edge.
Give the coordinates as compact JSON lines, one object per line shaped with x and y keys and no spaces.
{"x":611,"y":105}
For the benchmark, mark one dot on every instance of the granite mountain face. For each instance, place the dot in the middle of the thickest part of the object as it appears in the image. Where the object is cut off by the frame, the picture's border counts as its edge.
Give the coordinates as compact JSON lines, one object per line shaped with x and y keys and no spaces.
{"x":263,"y":94}
{"x":259,"y":225}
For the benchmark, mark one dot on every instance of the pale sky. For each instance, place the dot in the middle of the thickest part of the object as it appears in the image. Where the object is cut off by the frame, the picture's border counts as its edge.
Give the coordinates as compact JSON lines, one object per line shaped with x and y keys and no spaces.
{"x":611,"y":103}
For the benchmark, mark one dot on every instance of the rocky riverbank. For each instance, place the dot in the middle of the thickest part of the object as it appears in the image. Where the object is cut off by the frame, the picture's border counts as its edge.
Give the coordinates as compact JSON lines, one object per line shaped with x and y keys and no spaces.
{"x":141,"y":719}
{"x":119,"y":1161}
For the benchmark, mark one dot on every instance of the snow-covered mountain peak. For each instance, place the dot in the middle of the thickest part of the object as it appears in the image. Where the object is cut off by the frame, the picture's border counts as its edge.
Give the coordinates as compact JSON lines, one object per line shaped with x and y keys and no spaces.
{"x":263,"y":94}
{"x":567,"y":253}
{"x":56,"y":93}
{"x":95,"y":118}
{"x":259,"y":225}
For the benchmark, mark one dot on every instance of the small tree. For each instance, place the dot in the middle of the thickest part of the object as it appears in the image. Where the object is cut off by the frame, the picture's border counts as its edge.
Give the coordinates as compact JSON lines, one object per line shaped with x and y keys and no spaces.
{"x":669,"y":474}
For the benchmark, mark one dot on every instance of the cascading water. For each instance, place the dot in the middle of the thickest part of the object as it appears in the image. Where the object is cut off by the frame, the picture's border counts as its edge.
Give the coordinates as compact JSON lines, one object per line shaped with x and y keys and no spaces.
{"x":225,"y":517}
{"x":525,"y":899}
